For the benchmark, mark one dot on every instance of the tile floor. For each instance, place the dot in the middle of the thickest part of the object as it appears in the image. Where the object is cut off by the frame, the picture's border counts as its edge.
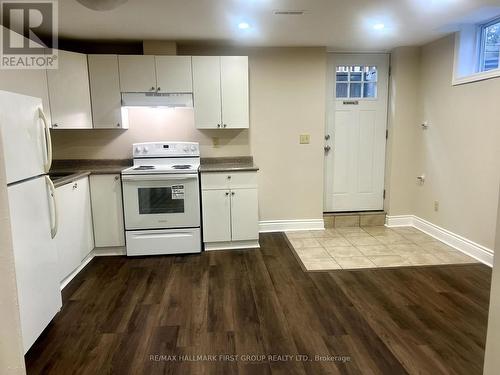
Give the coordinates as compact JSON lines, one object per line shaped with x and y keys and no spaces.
{"x":371,"y":247}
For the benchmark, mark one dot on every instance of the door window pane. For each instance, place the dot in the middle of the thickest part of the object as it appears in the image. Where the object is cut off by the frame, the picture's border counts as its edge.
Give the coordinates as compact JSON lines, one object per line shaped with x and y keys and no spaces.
{"x":355,"y":90}
{"x":159,"y":200}
{"x":369,"y":90}
{"x":370,"y":73}
{"x":342,"y":90}
{"x":342,"y":76}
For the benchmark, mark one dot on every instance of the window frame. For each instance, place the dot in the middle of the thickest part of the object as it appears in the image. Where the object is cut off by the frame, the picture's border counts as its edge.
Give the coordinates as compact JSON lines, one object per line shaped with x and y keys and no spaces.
{"x":468,"y":53}
{"x":361,"y":82}
{"x":482,"y":44}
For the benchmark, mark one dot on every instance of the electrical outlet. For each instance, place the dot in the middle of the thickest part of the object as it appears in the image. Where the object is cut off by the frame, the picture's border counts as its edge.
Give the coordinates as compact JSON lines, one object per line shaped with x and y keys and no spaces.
{"x":304,"y":139}
{"x":436,"y":206}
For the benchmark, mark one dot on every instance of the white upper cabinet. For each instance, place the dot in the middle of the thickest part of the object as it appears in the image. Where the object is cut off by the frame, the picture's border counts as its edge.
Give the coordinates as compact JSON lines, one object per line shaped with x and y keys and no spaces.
{"x":220,"y":89}
{"x":207,"y":92}
{"x":69,"y":92}
{"x":137,"y":73}
{"x":234,"y":89}
{"x":105,"y":91}
{"x":173,"y":74}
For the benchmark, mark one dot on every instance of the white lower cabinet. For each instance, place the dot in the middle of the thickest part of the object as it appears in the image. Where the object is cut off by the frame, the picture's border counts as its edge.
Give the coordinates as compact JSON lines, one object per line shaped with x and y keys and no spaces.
{"x":230,"y":210}
{"x":107,"y":210}
{"x":74,"y":239}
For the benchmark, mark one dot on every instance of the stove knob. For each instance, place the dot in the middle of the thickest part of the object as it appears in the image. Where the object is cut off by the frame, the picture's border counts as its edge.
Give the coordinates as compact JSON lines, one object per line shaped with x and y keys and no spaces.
{"x":186,"y":148}
{"x":193,"y":148}
{"x":145,"y":149}
{"x":138,"y":149}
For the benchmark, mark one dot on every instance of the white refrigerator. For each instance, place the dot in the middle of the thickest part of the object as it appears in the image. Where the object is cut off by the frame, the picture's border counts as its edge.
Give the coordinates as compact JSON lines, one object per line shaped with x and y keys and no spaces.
{"x":33,"y":214}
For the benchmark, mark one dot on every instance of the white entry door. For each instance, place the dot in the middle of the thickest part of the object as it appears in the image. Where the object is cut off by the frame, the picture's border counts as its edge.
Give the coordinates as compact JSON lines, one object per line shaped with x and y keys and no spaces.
{"x":356,"y":132}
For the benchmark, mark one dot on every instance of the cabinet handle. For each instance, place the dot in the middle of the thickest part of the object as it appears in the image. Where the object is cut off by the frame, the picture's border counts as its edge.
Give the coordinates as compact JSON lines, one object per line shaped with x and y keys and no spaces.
{"x":232,"y":193}
{"x":55,"y":125}
{"x":75,"y":186}
{"x":117,"y":178}
{"x":228,"y":177}
{"x":225,"y":125}
{"x":158,"y":89}
{"x":218,"y":125}
{"x":118,"y":125}
{"x":152,"y":88}
{"x":227,"y":193}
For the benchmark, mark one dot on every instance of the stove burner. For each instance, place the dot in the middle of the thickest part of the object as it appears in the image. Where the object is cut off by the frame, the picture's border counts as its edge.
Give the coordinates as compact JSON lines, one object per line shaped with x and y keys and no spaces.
{"x":183,"y":166}
{"x":144,"y":168}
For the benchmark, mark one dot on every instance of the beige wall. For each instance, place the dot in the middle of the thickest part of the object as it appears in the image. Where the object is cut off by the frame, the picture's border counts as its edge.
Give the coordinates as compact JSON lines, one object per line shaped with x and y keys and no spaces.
{"x":492,"y":359}
{"x":403,"y":130}
{"x":459,"y":153}
{"x":148,"y":125}
{"x":287,"y":98}
{"x":11,"y":346}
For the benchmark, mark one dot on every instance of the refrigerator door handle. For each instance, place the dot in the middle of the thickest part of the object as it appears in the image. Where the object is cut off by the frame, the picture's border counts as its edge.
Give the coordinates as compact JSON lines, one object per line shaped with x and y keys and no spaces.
{"x":48,"y":140}
{"x":55,"y":222}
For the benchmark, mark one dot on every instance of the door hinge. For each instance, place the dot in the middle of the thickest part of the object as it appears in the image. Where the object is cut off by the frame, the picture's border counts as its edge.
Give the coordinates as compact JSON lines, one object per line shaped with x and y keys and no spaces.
{"x":383,"y":195}
{"x":390,"y":70}
{"x":387,"y":134}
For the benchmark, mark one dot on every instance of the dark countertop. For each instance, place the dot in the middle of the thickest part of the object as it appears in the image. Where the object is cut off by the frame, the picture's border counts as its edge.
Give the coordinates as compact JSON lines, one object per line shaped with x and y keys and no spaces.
{"x":228,"y":164}
{"x":66,"y":171}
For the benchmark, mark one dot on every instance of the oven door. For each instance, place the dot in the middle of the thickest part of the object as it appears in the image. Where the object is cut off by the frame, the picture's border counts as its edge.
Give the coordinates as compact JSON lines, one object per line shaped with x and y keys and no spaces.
{"x":161,"y":201}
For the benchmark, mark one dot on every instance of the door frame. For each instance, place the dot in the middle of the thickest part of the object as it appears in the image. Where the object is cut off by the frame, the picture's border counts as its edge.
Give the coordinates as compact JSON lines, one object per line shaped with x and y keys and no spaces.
{"x":357,"y":58}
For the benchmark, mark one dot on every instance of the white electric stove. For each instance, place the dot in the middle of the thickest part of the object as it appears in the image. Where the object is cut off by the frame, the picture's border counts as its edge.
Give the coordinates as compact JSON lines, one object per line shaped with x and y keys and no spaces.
{"x":161,"y":199}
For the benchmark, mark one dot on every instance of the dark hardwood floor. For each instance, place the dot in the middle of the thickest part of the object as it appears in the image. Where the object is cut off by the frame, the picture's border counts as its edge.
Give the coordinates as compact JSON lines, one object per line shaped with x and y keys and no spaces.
{"x":140,"y":315}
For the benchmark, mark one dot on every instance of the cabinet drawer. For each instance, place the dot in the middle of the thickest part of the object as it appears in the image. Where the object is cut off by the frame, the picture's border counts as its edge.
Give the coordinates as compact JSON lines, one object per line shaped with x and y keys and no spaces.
{"x":228,"y":180}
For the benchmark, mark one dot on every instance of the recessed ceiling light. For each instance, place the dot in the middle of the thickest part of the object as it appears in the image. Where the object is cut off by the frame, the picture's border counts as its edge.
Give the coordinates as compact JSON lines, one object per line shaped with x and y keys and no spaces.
{"x":243,"y":25}
{"x":378,"y":26}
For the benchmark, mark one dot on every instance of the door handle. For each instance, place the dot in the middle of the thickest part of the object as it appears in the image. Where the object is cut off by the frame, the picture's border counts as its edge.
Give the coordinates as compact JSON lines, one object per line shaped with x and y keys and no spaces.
{"x":55,"y":224}
{"x":48,"y":140}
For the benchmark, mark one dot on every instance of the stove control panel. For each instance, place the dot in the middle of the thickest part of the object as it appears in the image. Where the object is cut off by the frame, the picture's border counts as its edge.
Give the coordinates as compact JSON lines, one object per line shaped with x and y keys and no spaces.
{"x":165,"y":149}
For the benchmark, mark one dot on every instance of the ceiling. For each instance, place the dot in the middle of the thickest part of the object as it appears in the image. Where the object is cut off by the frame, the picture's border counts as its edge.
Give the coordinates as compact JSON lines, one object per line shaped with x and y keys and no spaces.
{"x":346,"y":25}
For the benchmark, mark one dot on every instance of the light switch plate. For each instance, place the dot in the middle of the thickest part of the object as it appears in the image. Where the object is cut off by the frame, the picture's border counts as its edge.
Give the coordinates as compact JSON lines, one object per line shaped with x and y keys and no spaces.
{"x":305,"y":139}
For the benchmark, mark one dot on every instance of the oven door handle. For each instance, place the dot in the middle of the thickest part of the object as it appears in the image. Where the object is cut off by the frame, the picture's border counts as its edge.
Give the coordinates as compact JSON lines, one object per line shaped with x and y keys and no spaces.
{"x":158,"y":177}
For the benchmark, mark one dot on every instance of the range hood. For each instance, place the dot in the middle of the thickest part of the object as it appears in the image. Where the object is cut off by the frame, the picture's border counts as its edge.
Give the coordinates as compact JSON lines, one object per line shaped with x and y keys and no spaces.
{"x":157,"y":99}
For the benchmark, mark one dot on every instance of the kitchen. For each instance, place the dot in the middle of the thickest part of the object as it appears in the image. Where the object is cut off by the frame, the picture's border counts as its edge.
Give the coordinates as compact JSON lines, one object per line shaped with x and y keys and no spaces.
{"x":159,"y":148}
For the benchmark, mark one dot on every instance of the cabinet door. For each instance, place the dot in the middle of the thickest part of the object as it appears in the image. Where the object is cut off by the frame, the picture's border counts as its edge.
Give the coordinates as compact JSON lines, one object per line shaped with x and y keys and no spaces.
{"x":244,"y":214}
{"x":216,"y":215}
{"x":107,"y":211}
{"x":234,"y":87}
{"x":32,"y":82}
{"x":173,"y":74}
{"x":105,"y":91}
{"x":137,"y":73}
{"x":74,"y":239}
{"x":69,"y":92}
{"x":206,"y":92}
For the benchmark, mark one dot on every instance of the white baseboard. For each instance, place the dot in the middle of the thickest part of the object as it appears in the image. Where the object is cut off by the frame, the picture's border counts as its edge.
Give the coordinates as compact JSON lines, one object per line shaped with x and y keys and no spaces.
{"x":290,"y":225}
{"x":466,"y":246}
{"x":399,"y":221}
{"x":97,"y":252}
{"x":110,"y":251}
{"x":70,"y":277}
{"x":232,"y":245}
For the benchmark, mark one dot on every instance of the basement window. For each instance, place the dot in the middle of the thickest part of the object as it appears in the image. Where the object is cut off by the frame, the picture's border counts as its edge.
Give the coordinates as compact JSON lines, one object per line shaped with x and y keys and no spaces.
{"x":477,"y":52}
